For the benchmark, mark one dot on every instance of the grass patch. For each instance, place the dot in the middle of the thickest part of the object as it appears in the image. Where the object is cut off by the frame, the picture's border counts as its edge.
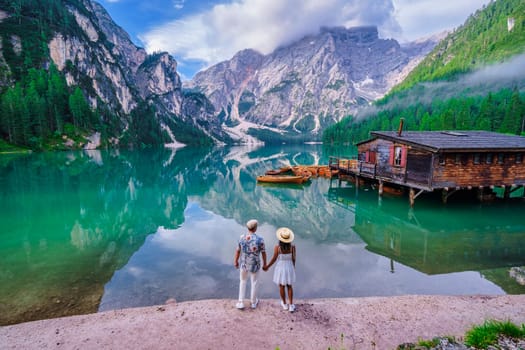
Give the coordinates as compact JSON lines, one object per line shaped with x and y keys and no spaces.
{"x":9,"y":148}
{"x":479,"y":337}
{"x":487,"y":334}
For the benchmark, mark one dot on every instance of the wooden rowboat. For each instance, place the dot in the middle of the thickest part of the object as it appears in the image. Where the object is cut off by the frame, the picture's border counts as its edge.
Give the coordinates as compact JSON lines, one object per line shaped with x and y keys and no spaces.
{"x":278,"y":171}
{"x":297,"y":179}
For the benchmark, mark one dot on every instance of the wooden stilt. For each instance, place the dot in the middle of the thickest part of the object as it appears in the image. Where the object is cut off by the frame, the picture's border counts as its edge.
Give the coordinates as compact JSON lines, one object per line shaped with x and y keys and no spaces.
{"x":444,"y":196}
{"x":380,"y":190}
{"x":506,"y":192}
{"x":480,"y":194}
{"x":412,"y":197}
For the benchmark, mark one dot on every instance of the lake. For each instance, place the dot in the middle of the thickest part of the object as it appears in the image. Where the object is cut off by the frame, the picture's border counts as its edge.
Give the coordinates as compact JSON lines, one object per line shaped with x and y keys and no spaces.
{"x":90,"y":231}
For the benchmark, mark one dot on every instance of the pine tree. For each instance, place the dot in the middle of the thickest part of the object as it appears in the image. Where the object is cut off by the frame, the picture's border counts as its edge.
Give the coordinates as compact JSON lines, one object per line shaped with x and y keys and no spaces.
{"x":448,"y":121}
{"x":56,"y":99}
{"x":463,"y":116}
{"x":14,"y":114}
{"x":425,"y":122}
{"x":483,"y":121}
{"x":513,"y":115}
{"x":79,"y":109}
{"x":37,"y":109}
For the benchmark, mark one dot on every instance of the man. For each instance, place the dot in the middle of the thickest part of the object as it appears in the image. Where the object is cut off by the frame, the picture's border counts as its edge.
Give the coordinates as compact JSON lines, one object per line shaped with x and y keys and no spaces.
{"x":249,"y":249}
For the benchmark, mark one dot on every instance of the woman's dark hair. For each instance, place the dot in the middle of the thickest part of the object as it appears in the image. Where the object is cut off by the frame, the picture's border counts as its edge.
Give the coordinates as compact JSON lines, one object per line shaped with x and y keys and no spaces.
{"x":285,"y":246}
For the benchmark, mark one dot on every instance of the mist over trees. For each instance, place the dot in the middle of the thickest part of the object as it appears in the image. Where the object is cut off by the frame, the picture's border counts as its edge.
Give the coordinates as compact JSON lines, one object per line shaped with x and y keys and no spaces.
{"x":502,"y":111}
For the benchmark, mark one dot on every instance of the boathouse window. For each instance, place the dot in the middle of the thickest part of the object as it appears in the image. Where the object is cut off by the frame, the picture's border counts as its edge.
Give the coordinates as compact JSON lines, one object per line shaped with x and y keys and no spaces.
{"x":477,"y":158}
{"x":398,"y":155}
{"x":462,"y":158}
{"x":370,"y":157}
{"x":519,"y":158}
{"x":500,"y":158}
{"x":488,"y":160}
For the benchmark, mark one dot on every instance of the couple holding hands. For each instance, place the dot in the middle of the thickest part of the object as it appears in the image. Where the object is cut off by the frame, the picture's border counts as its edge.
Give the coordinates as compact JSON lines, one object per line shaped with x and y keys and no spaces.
{"x":248,"y":259}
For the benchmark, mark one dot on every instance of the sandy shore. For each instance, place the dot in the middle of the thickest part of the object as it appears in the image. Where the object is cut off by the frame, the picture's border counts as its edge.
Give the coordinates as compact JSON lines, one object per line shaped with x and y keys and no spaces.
{"x":351,"y":323}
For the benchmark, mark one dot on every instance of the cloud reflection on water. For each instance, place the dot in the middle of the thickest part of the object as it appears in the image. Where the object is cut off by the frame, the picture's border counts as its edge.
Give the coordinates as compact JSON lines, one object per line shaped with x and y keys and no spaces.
{"x":195,"y":261}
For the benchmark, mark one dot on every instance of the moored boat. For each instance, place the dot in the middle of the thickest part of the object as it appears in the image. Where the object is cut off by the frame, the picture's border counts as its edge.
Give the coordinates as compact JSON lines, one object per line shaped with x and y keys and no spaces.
{"x":278,"y":171}
{"x":298,"y":179}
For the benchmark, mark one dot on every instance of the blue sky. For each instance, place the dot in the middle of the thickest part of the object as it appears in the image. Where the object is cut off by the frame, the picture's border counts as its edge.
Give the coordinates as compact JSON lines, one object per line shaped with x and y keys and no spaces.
{"x":202,"y":33}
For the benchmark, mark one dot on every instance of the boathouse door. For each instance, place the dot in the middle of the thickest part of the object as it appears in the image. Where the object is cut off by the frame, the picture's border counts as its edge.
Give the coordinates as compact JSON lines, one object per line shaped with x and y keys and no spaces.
{"x":418,"y":168}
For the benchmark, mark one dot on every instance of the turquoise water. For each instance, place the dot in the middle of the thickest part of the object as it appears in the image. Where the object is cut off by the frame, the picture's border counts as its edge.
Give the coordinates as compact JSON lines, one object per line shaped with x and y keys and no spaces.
{"x":91,"y":231}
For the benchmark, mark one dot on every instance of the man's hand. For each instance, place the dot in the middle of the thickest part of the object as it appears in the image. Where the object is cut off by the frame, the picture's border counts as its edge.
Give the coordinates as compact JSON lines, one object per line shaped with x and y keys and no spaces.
{"x":236,"y":257}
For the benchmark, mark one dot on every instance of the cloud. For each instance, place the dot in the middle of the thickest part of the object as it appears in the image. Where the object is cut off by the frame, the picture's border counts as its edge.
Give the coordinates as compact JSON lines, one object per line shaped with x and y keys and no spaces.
{"x":178,"y":4}
{"x":226,"y":28}
{"x":263,"y":25}
{"x":420,"y":18}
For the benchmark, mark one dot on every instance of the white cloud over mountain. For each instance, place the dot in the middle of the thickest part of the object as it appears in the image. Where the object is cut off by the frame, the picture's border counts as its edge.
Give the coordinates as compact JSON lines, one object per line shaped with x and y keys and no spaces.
{"x":223,"y":29}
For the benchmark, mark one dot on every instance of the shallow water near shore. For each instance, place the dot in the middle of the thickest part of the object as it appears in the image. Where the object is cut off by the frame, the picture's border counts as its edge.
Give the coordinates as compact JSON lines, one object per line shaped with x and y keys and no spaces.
{"x":91,"y":231}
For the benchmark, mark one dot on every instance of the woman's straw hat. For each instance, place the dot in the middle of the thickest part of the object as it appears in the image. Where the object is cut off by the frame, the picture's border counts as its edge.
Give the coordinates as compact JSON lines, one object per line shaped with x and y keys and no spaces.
{"x":284,"y":234}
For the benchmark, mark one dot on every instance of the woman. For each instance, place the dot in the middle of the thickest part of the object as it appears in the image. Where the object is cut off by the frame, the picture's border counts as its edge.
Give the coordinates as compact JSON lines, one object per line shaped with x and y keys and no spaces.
{"x":284,"y":273}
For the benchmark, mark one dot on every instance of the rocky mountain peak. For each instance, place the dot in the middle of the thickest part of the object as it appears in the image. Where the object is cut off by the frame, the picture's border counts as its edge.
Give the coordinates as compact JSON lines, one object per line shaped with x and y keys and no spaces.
{"x":358,"y":35}
{"x":122,"y":75}
{"x":301,"y":88}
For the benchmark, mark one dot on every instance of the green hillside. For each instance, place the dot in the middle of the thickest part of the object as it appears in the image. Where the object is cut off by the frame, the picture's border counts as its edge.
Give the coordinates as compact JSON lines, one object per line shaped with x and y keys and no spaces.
{"x":473,"y":79}
{"x":39,"y":110}
{"x":485,"y":38}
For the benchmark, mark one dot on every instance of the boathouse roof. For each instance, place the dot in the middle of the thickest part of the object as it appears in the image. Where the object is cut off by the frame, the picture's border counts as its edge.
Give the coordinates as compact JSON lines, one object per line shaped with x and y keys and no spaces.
{"x":449,"y":141}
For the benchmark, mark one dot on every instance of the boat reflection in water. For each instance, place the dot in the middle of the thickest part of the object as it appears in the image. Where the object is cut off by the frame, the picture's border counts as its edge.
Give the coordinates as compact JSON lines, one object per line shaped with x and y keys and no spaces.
{"x":442,"y":239}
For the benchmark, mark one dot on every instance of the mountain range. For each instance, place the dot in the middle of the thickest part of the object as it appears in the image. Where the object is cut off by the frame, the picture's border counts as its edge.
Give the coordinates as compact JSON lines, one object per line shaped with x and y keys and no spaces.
{"x":289,"y":95}
{"x":299,"y":89}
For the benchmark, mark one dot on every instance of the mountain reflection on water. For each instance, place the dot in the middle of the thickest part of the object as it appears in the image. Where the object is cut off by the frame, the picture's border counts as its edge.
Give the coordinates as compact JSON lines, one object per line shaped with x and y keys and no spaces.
{"x":99,"y":230}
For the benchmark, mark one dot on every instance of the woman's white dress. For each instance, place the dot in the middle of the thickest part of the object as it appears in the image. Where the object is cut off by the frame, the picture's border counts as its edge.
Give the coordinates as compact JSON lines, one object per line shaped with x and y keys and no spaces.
{"x":284,"y":272}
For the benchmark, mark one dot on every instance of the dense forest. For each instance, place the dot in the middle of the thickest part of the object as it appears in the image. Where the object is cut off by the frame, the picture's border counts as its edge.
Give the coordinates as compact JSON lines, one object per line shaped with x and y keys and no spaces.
{"x":38,"y":110}
{"x":41,"y":106}
{"x":38,"y":107}
{"x":495,"y":33}
{"x":502,"y":111}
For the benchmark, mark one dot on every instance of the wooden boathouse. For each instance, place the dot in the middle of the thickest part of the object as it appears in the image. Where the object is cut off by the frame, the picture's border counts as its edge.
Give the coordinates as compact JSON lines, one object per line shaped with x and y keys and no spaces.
{"x":428,"y":161}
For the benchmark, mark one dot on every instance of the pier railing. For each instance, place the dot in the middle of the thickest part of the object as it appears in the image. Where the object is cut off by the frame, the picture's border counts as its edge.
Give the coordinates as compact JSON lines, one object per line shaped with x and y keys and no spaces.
{"x":355,"y":167}
{"x":344,"y":164}
{"x":352,"y":166}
